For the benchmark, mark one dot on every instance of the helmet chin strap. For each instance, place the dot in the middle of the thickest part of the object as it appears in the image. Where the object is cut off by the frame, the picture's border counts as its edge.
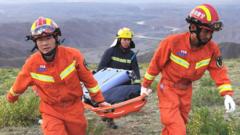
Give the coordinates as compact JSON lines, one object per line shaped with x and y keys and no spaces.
{"x":49,"y":57}
{"x":197,"y":32}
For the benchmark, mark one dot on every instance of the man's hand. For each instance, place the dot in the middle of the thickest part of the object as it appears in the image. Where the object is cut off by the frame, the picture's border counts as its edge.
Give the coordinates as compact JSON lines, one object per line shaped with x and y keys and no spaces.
{"x":229,"y":104}
{"x":11,"y":98}
{"x":145,"y":91}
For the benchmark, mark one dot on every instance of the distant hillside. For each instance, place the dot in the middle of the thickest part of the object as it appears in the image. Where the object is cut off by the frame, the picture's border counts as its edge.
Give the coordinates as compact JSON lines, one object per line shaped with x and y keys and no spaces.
{"x":91,"y":27}
{"x":228,"y":49}
{"x":77,"y":33}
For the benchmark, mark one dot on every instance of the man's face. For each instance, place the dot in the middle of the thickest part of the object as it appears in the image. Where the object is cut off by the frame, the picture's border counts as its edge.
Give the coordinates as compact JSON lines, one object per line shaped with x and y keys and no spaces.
{"x":46,"y":43}
{"x":125,"y":42}
{"x":205,"y":34}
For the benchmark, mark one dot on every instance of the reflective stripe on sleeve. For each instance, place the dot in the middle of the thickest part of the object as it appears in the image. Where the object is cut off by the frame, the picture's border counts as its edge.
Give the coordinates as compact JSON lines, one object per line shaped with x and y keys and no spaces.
{"x":94,"y":89}
{"x":225,"y":87}
{"x":13,"y":93}
{"x":148,"y":76}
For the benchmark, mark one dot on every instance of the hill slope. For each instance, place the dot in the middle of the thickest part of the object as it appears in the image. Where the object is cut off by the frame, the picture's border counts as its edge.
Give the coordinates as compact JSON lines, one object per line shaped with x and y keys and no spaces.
{"x":147,"y":120}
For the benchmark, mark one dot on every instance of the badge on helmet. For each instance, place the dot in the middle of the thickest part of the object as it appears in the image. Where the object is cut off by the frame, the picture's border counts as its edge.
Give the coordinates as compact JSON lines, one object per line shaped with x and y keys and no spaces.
{"x":205,"y":15}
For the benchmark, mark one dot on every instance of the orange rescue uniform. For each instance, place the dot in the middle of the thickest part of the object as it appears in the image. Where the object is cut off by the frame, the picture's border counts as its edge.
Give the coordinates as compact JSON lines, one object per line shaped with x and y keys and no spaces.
{"x":180,"y":65}
{"x":58,"y":86}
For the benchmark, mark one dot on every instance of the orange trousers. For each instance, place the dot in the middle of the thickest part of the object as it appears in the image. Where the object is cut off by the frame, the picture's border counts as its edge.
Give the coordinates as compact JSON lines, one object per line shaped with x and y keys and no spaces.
{"x":174,"y":105}
{"x":63,"y":120}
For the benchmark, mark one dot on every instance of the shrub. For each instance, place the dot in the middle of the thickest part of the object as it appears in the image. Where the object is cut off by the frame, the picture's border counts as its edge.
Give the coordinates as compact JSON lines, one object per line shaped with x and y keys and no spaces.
{"x":206,"y":94}
{"x":7,"y":77}
{"x":22,"y":113}
{"x":204,"y":122}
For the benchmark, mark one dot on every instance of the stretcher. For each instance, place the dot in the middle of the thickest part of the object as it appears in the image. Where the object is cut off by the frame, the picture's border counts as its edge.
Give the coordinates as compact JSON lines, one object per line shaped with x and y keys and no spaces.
{"x":107,"y":79}
{"x":110,"y":77}
{"x":119,"y":109}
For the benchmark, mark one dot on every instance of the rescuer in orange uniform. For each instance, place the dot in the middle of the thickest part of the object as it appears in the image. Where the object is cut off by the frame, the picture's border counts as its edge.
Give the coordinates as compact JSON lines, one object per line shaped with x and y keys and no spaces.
{"x":182,"y":59}
{"x":56,"y":71}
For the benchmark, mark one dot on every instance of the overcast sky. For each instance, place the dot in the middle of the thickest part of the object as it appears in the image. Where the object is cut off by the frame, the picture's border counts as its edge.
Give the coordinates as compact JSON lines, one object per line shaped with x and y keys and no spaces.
{"x":126,"y":1}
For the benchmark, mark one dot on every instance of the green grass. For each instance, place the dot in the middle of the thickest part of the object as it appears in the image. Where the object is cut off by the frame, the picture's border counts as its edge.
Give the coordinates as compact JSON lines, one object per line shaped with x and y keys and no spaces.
{"x":204,"y":121}
{"x":22,"y":113}
{"x":7,"y":77}
{"x":94,"y":128}
{"x":208,"y":116}
{"x":206,"y":94}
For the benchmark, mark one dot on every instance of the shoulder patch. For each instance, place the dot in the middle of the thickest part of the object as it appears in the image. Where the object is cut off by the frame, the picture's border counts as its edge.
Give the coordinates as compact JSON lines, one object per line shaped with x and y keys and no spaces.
{"x":219,"y":62}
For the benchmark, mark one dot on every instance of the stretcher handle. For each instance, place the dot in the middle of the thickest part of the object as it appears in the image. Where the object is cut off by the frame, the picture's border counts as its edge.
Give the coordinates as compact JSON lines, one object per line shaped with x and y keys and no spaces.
{"x":114,"y":106}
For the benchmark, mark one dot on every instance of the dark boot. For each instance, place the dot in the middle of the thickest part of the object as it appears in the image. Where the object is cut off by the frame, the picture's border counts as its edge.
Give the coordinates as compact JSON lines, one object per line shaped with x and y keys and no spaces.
{"x":111,"y":124}
{"x":104,"y":119}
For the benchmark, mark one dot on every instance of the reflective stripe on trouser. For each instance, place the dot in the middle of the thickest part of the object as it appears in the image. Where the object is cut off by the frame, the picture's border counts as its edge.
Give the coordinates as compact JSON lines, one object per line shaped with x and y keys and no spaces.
{"x":174,"y":105}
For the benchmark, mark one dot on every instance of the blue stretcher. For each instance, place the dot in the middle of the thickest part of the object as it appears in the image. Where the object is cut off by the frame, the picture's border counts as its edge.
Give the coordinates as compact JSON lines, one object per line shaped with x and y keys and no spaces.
{"x":110,"y":81}
{"x":109,"y":78}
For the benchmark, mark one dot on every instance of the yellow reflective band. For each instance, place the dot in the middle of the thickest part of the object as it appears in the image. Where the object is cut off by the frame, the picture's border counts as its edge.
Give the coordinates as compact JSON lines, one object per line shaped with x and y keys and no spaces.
{"x":207,"y":12}
{"x":13,"y":93}
{"x":94,"y":89}
{"x":148,"y":76}
{"x":179,"y":61}
{"x":202,"y":63}
{"x":137,"y":81}
{"x":225,"y":87}
{"x":121,"y":60}
{"x":68,"y":70}
{"x":41,"y":77}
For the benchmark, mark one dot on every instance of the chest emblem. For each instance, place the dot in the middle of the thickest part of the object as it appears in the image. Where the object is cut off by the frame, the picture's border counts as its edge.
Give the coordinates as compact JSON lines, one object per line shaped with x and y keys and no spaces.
{"x":41,"y":68}
{"x":182,"y":53}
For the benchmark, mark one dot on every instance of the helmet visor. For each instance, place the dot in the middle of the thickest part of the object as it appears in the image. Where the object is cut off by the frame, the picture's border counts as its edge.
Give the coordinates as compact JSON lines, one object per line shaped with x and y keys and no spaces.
{"x":43,"y":29}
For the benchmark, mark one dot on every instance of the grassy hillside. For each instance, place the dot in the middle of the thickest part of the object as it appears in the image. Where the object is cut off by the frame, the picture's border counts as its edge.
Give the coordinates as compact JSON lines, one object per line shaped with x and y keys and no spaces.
{"x":207,"y":116}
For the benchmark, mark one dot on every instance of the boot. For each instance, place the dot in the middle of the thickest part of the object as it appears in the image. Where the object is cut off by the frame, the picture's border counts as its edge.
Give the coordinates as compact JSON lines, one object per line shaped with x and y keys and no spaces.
{"x":110,"y":123}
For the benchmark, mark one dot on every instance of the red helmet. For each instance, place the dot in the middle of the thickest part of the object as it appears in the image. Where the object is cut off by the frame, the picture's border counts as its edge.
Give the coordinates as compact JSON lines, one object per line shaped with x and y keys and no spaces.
{"x":45,"y":25}
{"x":205,"y":15}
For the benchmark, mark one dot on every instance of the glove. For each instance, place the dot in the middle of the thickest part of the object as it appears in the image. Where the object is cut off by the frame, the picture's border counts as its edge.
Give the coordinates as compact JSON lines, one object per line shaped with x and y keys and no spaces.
{"x":11,"y":98}
{"x":103,"y":104}
{"x":229,"y":104}
{"x":145,"y":91}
